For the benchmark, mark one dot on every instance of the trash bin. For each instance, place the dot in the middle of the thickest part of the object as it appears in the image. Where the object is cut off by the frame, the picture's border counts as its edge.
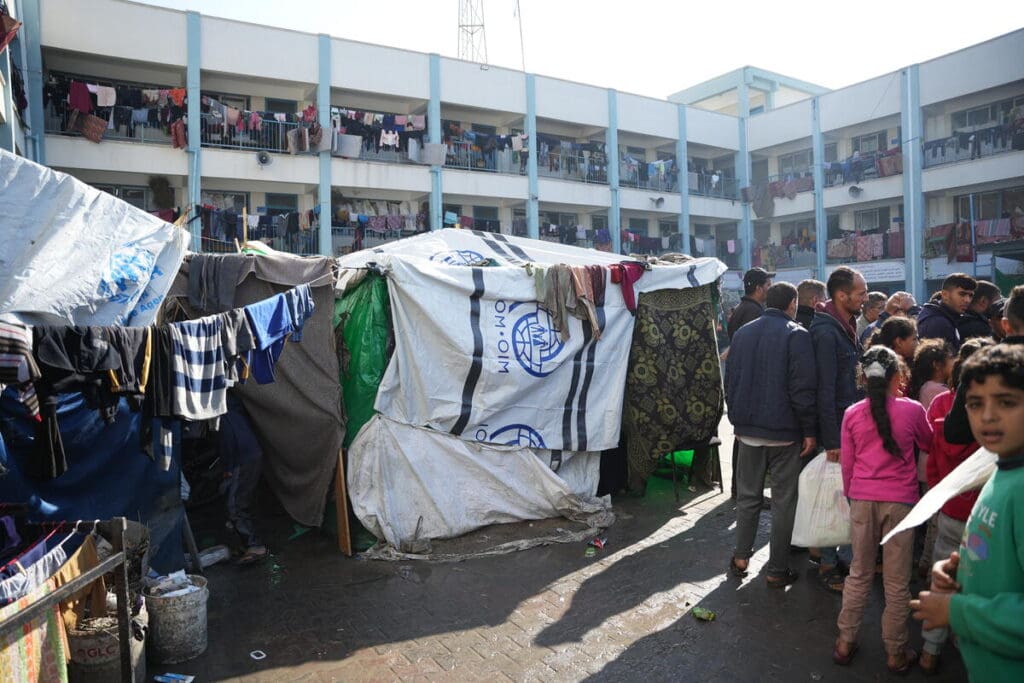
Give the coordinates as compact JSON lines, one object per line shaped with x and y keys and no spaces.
{"x":177,"y":623}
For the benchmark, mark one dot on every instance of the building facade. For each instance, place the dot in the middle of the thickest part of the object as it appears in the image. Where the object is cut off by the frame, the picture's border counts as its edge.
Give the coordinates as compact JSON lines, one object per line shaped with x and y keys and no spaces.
{"x":907,"y":176}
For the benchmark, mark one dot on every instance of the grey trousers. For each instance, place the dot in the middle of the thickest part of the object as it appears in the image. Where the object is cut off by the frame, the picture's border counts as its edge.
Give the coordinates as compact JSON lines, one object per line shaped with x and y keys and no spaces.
{"x":948,"y":532}
{"x":752,"y":464}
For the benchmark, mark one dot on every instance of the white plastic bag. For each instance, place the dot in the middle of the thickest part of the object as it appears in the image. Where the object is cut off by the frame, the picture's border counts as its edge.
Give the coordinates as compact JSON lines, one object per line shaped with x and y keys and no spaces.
{"x":822,"y":511}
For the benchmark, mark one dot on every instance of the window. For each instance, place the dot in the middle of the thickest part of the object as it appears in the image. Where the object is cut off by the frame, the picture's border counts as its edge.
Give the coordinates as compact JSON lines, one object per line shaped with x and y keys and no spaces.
{"x":832,"y":221}
{"x":481,"y":128}
{"x":237,"y":101}
{"x":989,"y":114}
{"x":666,"y":228}
{"x":599,"y":221}
{"x":797,"y":162}
{"x":138,"y":197}
{"x":281,"y":106}
{"x":638,"y":153}
{"x":638,"y":226}
{"x":231,"y":201}
{"x":986,"y":206}
{"x":868,"y":144}
{"x":666,"y":156}
{"x":831,"y":151}
{"x":451,"y":208}
{"x":871,"y":219}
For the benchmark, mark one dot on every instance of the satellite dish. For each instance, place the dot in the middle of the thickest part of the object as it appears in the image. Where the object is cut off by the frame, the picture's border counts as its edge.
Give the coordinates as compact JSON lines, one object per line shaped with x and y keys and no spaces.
{"x":855,"y":191}
{"x":263,"y":158}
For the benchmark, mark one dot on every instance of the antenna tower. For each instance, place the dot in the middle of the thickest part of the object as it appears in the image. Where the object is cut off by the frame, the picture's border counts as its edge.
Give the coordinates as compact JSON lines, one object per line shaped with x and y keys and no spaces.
{"x":472,"y":38}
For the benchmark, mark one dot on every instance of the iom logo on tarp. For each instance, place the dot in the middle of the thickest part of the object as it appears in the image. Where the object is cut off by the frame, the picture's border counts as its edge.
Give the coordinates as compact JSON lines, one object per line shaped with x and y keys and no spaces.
{"x":458,"y":257}
{"x":518,"y":435}
{"x":535,"y":341}
{"x":128,"y":269}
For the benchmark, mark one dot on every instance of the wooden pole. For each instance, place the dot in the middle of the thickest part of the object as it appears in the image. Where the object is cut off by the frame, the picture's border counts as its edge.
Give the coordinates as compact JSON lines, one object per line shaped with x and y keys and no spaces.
{"x":245,"y":225}
{"x":341,"y":506}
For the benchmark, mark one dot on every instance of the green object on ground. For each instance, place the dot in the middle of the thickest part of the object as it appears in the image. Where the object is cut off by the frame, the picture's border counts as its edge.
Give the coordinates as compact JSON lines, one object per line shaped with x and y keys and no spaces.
{"x":590,"y":551}
{"x":365,"y":318}
{"x":703,"y":614}
{"x":681,"y":458}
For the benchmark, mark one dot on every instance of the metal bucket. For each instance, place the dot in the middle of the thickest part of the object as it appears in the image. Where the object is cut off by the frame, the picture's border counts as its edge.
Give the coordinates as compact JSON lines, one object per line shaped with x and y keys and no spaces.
{"x":96,"y":652}
{"x":177,"y":625}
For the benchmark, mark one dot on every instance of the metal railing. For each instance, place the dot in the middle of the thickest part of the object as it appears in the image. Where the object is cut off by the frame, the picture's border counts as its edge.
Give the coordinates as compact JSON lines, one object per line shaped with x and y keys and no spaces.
{"x":571,"y":166}
{"x":705,"y":185}
{"x":867,"y":166}
{"x":271,"y":136}
{"x":125,"y":132}
{"x":967,"y":146}
{"x":468,"y":156}
{"x":631,"y":175}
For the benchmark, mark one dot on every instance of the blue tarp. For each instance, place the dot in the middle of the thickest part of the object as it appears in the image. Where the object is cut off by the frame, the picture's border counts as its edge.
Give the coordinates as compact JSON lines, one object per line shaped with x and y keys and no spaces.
{"x":108,"y":474}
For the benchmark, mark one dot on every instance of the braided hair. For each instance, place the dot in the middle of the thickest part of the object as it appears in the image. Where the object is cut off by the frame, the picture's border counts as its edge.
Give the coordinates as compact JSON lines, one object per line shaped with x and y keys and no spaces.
{"x":879,"y":365}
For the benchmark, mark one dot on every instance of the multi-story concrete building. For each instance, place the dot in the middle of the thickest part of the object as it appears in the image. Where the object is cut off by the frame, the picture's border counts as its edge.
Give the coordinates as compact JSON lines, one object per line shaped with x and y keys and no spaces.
{"x":910,"y":175}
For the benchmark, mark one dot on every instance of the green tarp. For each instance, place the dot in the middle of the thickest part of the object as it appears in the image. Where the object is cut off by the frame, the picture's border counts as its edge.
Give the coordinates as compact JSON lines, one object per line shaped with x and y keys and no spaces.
{"x":363,"y":319}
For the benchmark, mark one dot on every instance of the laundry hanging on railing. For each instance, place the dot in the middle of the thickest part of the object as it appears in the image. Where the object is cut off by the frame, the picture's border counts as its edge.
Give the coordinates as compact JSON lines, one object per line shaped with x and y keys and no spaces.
{"x":177,"y":370}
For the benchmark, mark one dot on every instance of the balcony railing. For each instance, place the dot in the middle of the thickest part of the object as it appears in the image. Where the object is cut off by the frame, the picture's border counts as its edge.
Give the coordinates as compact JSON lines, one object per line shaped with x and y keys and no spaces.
{"x":468,"y":156}
{"x":271,"y":135}
{"x":124,"y":129}
{"x":713,"y":185}
{"x":863,"y":248}
{"x":572,"y":166}
{"x":967,"y":146}
{"x":863,"y":167}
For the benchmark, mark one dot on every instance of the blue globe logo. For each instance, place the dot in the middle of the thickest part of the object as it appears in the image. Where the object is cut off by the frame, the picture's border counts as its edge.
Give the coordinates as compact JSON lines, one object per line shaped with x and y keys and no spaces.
{"x":518,"y":435}
{"x":535,"y":342}
{"x":457,"y":257}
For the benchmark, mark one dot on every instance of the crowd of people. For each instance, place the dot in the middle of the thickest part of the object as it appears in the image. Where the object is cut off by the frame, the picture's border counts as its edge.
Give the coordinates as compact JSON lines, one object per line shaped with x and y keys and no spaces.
{"x":896,"y":395}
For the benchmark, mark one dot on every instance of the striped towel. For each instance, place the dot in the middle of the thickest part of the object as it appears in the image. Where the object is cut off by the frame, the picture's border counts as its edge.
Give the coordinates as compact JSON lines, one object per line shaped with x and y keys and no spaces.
{"x":199,"y":389}
{"x":17,"y":365}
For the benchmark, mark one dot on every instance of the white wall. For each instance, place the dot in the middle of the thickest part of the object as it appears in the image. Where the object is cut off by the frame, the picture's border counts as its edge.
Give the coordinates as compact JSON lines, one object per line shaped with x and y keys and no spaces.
{"x":802,"y":203}
{"x":378,"y":69}
{"x":346,"y":173}
{"x":779,"y":126}
{"x":286,"y":168}
{"x":648,"y":116}
{"x":493,"y":88}
{"x":785,"y":96}
{"x":477,"y":184}
{"x":233,"y":47}
{"x":640,"y":200}
{"x":130,"y":157}
{"x":573,"y":102}
{"x":975,"y":68}
{"x":572,"y":193}
{"x":873,"y":99}
{"x":964,"y":173}
{"x":715,"y":209}
{"x":119,"y":29}
{"x":709,"y":128}
{"x":871,"y":191}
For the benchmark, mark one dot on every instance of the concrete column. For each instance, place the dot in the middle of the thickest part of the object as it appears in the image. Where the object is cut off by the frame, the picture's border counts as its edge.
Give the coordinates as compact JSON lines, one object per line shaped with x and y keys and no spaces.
{"x":820,"y":219}
{"x":434,"y":135}
{"x":533,"y":191}
{"x":612,"y":151}
{"x":323,"y":107}
{"x":684,"y":181}
{"x":192,"y":83}
{"x":33,"y":72}
{"x":913,"y":196}
{"x":746,"y":227}
{"x":7,"y":129}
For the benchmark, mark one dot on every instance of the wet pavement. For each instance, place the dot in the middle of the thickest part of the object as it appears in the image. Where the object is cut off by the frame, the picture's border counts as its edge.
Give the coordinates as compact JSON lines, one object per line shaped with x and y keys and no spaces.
{"x":544,"y":614}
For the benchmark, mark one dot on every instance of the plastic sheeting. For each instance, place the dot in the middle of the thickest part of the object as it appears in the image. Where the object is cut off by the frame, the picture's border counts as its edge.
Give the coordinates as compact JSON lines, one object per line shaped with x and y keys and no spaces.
{"x":72,"y":254}
{"x":364,"y":315}
{"x":409,"y":485}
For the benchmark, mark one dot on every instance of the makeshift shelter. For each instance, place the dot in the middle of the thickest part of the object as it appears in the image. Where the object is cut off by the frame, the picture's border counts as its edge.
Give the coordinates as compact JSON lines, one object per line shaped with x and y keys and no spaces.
{"x":491,"y":396}
{"x":73,"y":255}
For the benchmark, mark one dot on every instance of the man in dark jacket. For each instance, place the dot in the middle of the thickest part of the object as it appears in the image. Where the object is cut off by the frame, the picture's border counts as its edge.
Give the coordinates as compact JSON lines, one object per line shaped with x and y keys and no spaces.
{"x":939,"y":320}
{"x":836,"y":352}
{"x":956,"y":428}
{"x":771,"y":387}
{"x":756,"y":282}
{"x":809,"y":294}
{"x":974,"y":322}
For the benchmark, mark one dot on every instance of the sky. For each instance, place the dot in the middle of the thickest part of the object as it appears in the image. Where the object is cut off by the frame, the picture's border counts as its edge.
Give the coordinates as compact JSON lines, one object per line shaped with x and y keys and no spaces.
{"x":656,"y":47}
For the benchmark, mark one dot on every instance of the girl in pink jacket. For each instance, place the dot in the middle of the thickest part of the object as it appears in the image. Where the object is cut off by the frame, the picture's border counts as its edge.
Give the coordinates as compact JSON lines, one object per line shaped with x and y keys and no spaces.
{"x":878,"y":438}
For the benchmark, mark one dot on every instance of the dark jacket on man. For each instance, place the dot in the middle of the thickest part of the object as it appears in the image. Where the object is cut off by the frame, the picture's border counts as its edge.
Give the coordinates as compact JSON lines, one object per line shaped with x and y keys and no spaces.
{"x":957,"y":428}
{"x":747,"y":310}
{"x":973,"y":324}
{"x":939,"y":321}
{"x":770,"y":380}
{"x":804,"y":316}
{"x":836,"y":356}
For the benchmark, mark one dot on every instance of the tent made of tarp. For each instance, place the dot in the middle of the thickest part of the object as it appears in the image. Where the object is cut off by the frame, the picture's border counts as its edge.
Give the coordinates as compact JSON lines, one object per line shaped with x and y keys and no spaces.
{"x":73,"y":255}
{"x":478,"y":364}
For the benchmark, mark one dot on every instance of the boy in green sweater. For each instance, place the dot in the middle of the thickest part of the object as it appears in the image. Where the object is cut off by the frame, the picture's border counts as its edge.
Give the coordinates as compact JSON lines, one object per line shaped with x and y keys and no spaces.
{"x":979,"y":592}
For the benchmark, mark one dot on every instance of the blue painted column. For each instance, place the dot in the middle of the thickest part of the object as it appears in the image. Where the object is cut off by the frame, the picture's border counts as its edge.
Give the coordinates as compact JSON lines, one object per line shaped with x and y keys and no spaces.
{"x":434,"y":135}
{"x":7,"y":129}
{"x":192,"y":84}
{"x":682,"y":154}
{"x":533,"y":189}
{"x":820,"y":220}
{"x":33,"y":72}
{"x":323,"y":107}
{"x":611,"y":145}
{"x":913,"y":196}
{"x":746,"y":231}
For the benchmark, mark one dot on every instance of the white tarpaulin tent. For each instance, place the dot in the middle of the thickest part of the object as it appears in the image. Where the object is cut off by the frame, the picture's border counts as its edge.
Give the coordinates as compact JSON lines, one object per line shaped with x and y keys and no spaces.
{"x":476,"y":360}
{"x":72,"y":254}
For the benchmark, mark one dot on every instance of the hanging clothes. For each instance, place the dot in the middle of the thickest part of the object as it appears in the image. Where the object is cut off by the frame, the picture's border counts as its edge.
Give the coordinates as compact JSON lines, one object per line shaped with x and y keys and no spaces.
{"x":197,"y":358}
